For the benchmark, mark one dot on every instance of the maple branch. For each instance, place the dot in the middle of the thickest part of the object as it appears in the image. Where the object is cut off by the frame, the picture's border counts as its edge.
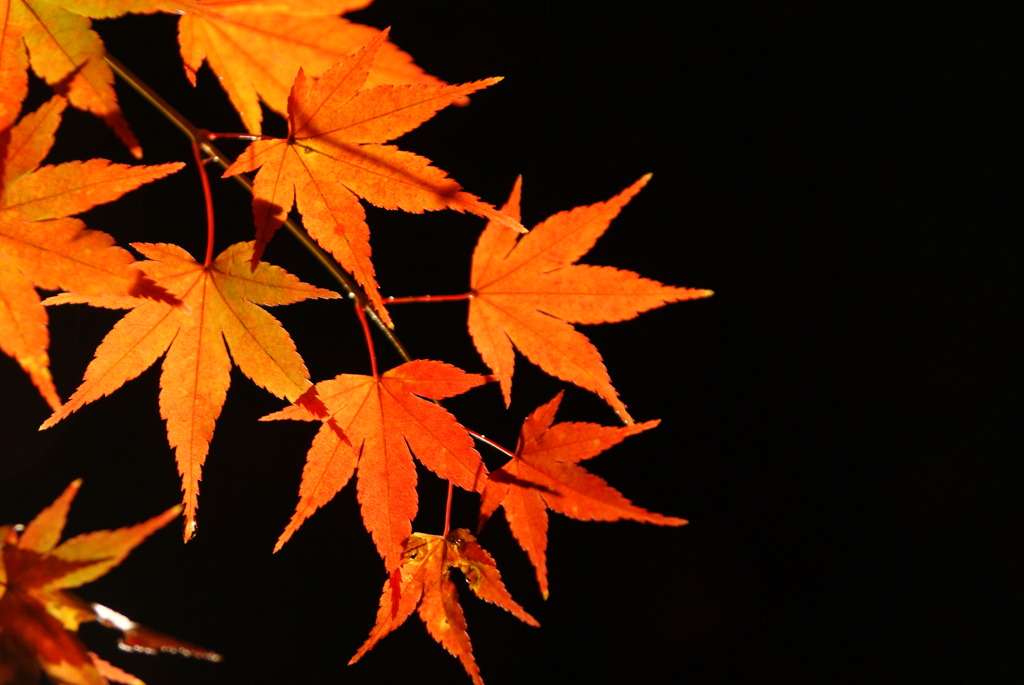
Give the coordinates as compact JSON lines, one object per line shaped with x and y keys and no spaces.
{"x":203,"y":140}
{"x":428,"y":298}
{"x":487,"y":440}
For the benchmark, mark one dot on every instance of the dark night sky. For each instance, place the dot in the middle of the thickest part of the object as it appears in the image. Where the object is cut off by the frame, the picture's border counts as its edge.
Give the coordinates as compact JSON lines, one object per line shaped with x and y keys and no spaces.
{"x":828,"y":427}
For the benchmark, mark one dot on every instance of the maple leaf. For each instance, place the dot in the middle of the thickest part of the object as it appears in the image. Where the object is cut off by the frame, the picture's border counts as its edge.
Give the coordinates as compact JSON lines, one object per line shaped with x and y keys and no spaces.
{"x":333,"y":155}
{"x":41,"y":246}
{"x":545,"y":474}
{"x":236,"y":38}
{"x":39,"y":618}
{"x":423,"y":580}
{"x":220,"y":312}
{"x":56,"y":38}
{"x":385,"y":421}
{"x":527,"y":292}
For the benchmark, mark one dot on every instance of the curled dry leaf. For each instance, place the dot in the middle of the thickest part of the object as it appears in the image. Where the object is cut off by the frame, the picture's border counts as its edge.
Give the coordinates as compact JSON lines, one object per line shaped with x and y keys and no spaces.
{"x":423,"y":581}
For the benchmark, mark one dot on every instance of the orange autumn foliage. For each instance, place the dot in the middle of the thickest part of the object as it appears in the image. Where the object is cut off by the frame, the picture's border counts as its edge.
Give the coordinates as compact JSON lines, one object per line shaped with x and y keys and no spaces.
{"x":301,"y":34}
{"x":57,"y":40}
{"x":377,"y":425}
{"x":220,"y":305}
{"x":545,"y":474}
{"x":39,"y":619}
{"x":423,"y":581}
{"x":42,"y":246}
{"x":334,"y":155}
{"x":526,"y":292}
{"x":345,"y":93}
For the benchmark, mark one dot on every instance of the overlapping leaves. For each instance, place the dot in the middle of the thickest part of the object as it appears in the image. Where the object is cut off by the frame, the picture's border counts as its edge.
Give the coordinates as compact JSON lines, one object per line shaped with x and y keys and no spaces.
{"x":335,"y":82}
{"x":39,"y":618}
{"x":42,"y":246}
{"x":375,"y":426}
{"x":56,"y":38}
{"x":235,"y":38}
{"x":334,"y":155}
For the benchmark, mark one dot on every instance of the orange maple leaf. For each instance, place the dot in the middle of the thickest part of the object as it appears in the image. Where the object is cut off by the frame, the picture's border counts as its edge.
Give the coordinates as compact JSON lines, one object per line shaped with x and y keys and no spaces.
{"x":39,"y":618}
{"x":423,"y":579}
{"x":40,"y":246}
{"x":236,"y":38}
{"x":220,"y":306}
{"x":333,"y":155}
{"x":544,"y":474}
{"x":385,"y":421}
{"x":57,"y":39}
{"x":526,"y":291}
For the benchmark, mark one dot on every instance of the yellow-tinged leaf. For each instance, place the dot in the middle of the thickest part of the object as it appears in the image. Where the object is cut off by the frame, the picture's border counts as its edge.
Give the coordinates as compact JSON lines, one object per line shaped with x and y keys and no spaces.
{"x":43,"y":533}
{"x":42,"y":246}
{"x":64,"y":51}
{"x":220,"y":312}
{"x":104,"y":549}
{"x":38,"y":619}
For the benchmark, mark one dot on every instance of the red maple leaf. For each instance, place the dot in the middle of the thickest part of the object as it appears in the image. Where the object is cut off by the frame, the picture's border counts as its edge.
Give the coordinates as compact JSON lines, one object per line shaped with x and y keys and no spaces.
{"x":527,"y":292}
{"x":423,"y":580}
{"x":385,"y":421}
{"x":42,"y":246}
{"x":39,"y":618}
{"x":334,"y":155}
{"x":220,"y":312}
{"x":545,"y":474}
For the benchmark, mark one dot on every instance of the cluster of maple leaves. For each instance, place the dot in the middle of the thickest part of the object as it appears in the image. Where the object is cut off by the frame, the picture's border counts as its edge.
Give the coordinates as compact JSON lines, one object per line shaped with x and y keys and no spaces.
{"x":346,"y":92}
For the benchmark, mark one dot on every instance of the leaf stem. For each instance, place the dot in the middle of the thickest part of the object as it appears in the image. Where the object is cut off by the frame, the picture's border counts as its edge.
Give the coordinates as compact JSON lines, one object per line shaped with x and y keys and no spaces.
{"x":448,"y":510}
{"x":208,"y":198}
{"x":361,"y":315}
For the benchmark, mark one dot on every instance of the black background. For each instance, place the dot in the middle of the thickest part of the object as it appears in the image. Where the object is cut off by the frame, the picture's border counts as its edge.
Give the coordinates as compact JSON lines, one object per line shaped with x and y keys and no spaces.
{"x":831,"y":421}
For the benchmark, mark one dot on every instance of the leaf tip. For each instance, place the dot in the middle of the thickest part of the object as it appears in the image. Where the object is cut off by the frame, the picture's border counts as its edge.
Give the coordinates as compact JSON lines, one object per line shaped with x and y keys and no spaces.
{"x":189,"y":531}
